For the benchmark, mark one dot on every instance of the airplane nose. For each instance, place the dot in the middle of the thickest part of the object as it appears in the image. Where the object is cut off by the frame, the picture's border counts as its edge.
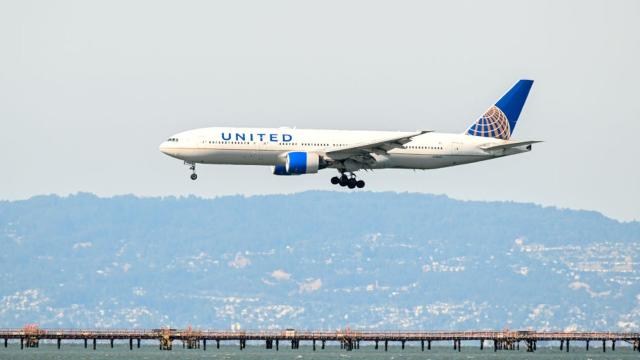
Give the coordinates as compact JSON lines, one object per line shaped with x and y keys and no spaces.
{"x":164,"y":148}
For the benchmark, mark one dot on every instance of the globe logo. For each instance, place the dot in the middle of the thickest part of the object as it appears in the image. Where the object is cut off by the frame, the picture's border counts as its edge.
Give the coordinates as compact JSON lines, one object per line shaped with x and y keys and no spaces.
{"x":493,"y":124}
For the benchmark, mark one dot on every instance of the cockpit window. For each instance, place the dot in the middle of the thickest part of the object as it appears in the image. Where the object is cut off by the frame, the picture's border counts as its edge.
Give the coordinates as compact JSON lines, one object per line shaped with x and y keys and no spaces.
{"x":172,"y":139}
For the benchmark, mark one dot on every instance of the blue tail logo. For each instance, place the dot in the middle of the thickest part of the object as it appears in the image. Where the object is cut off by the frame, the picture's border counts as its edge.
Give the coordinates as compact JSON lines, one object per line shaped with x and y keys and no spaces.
{"x":500,"y":120}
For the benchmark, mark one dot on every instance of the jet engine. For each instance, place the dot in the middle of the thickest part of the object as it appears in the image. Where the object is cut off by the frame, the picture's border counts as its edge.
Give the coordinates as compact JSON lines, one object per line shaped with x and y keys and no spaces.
{"x":298,"y":163}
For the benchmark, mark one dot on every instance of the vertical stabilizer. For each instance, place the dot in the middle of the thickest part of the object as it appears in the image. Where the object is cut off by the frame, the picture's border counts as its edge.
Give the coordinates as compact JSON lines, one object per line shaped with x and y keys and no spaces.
{"x":500,"y":120}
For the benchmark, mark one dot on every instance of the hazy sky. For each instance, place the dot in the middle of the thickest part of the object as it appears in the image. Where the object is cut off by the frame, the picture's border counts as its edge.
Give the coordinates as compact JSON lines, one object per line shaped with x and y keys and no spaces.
{"x":89,"y":89}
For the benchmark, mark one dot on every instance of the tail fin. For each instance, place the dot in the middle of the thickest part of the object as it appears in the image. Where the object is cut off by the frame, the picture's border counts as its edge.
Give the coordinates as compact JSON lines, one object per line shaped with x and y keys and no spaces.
{"x":500,"y":120}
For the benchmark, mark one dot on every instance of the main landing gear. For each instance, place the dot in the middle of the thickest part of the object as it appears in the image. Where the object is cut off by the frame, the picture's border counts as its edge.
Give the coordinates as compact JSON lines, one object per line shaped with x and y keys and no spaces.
{"x":192,"y":167}
{"x":349,"y":181}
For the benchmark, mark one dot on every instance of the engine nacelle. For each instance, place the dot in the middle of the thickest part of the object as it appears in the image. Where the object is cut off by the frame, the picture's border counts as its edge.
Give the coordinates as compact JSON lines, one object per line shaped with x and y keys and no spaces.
{"x":280,"y":169}
{"x":298,"y":163}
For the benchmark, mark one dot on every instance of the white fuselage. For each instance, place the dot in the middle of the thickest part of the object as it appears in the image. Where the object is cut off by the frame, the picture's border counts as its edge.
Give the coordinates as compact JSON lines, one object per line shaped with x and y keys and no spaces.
{"x":269,"y":146}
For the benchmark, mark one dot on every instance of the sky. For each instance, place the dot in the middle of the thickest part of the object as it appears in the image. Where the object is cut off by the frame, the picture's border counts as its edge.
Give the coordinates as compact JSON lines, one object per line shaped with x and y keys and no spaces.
{"x":89,"y":89}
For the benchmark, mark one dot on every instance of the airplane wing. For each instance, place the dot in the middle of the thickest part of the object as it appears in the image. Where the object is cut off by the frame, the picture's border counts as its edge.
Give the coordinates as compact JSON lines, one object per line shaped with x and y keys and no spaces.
{"x":509,"y":145}
{"x":380,"y":146}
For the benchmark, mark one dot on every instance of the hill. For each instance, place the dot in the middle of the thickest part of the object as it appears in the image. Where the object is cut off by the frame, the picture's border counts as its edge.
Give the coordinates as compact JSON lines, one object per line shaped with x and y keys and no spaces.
{"x":315,"y":260}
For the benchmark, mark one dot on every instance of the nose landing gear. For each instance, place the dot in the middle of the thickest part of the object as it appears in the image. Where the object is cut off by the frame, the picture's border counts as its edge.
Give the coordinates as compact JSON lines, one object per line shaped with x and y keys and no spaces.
{"x":349,"y":181}
{"x":192,"y":167}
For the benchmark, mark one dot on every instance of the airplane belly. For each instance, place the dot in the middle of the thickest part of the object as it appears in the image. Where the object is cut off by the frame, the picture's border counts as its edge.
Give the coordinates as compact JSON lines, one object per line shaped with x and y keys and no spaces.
{"x":414,"y":161}
{"x":430,"y":161}
{"x":232,"y":156}
{"x":267,"y":157}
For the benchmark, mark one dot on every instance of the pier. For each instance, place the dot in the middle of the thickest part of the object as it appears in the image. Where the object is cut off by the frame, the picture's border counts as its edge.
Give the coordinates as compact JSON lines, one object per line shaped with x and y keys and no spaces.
{"x":349,"y":340}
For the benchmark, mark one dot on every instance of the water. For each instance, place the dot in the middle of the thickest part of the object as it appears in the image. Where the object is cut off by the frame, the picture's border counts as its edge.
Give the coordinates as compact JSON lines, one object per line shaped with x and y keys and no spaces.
{"x":122,"y":352}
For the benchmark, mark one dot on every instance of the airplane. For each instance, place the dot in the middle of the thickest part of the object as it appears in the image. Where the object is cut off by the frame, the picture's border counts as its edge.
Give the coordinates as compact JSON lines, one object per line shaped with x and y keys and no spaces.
{"x":305,"y":151}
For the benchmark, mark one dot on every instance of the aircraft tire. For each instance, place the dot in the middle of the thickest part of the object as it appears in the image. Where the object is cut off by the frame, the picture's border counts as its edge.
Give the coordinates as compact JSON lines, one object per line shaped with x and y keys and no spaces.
{"x":194,"y":176}
{"x":335,"y":180}
{"x":360,"y":184}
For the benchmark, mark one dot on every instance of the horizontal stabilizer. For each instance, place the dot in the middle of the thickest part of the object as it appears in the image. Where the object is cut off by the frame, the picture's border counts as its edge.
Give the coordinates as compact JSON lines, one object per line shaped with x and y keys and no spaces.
{"x":510,"y":145}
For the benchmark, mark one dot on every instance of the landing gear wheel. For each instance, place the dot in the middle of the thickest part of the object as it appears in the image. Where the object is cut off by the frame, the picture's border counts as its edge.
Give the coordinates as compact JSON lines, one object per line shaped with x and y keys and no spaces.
{"x":352,"y":183}
{"x":344,"y":180}
{"x":192,"y":167}
{"x":335,"y":180}
{"x":359,"y":184}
